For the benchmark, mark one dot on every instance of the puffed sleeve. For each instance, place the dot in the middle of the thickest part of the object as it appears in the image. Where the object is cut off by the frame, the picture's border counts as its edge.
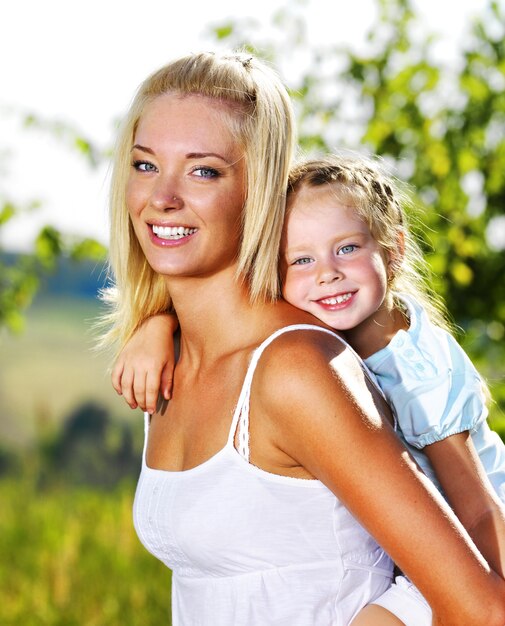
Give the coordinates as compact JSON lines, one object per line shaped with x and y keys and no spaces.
{"x":431,"y":384}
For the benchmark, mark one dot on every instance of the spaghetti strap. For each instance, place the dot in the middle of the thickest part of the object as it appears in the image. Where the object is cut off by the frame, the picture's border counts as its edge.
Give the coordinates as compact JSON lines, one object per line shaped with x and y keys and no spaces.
{"x":241,"y":414}
{"x":240,"y":422}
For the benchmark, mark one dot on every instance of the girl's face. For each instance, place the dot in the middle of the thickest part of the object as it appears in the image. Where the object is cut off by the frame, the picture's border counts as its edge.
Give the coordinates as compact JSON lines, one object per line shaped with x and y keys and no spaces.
{"x":331,"y":266}
{"x":186,"y":187}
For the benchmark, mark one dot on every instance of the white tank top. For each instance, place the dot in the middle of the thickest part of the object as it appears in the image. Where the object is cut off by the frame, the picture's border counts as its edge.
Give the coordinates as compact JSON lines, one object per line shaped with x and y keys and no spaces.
{"x":251,"y":548}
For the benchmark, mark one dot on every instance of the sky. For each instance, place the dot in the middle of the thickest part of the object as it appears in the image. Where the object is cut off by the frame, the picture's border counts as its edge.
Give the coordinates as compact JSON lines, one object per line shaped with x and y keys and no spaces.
{"x":80,"y":62}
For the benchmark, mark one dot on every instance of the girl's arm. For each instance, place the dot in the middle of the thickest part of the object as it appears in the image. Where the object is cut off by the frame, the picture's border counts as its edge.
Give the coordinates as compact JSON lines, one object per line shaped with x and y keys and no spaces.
{"x":145,"y":365}
{"x":471,"y":495}
{"x":328,"y":421}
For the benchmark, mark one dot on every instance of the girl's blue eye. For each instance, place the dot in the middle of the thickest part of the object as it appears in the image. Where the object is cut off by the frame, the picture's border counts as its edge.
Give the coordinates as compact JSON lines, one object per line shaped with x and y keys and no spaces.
{"x":206,"y":172}
{"x":303,"y":261}
{"x":347,"y":249}
{"x":144,"y":166}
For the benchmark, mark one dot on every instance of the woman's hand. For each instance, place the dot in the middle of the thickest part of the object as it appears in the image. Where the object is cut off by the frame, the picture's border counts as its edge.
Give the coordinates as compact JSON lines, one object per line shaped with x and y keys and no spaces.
{"x":144,"y":368}
{"x":471,"y":495}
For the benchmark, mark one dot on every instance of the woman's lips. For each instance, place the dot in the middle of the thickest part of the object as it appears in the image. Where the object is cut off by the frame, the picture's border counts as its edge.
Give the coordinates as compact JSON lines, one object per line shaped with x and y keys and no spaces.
{"x":170,"y":235}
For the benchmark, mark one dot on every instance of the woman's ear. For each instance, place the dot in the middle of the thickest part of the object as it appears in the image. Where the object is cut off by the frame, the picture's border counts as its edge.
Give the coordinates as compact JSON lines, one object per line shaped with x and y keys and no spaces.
{"x":395,"y":257}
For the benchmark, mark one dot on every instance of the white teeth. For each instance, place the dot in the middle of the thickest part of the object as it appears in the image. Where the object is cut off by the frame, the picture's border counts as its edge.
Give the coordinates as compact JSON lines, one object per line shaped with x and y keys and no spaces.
{"x":337,"y":299}
{"x":172,"y":232}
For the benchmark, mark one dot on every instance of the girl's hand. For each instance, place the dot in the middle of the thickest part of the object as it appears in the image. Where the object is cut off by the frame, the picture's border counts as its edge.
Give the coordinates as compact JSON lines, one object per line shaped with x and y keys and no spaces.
{"x":144,"y":368}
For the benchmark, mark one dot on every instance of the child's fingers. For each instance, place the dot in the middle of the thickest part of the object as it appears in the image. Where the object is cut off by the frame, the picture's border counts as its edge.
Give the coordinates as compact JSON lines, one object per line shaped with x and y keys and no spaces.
{"x":116,"y":375}
{"x":127,"y":384}
{"x":152,"y":390}
{"x":167,"y":381}
{"x":139,"y":390}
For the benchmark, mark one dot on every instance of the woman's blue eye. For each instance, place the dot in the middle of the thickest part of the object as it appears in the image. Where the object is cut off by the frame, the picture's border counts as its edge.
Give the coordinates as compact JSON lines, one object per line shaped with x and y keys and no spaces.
{"x":206,"y":172}
{"x":303,"y":261}
{"x":347,"y":249}
{"x":144,"y":166}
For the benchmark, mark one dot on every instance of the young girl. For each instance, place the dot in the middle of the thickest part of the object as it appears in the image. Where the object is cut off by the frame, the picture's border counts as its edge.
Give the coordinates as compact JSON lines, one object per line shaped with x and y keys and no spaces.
{"x":348,"y":258}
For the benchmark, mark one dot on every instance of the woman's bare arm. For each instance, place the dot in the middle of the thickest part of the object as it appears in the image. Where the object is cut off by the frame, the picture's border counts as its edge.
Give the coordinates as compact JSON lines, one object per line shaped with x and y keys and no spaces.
{"x":326,"y":420}
{"x":471,"y":495}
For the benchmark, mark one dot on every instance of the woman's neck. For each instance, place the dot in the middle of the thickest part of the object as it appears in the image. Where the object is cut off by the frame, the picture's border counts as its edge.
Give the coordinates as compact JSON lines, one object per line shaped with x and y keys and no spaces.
{"x":215,"y":314}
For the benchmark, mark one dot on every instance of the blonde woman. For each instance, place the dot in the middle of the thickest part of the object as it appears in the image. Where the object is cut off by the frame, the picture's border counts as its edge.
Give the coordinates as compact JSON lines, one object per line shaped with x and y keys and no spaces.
{"x":272,"y":482}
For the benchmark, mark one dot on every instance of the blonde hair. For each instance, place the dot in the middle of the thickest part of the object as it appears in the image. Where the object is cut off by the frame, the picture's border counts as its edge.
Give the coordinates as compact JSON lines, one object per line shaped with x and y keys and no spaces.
{"x":263,"y":121}
{"x":380,"y":201}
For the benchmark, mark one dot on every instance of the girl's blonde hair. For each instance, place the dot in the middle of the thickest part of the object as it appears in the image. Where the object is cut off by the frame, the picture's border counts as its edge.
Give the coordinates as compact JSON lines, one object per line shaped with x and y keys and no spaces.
{"x":258,"y":107}
{"x":380,"y":201}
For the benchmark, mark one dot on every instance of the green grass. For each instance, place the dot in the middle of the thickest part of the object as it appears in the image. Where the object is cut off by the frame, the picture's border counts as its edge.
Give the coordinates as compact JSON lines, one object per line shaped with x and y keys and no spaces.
{"x":70,"y":557}
{"x":50,"y":368}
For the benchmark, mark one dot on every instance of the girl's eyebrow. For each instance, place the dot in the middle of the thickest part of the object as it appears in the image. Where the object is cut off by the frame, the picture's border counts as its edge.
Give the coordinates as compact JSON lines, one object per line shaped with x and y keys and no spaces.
{"x":302,"y":247}
{"x":340,"y":237}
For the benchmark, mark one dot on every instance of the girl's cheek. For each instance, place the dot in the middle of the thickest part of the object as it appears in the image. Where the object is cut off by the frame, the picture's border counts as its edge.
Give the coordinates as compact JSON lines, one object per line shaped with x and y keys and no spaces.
{"x":285,"y":285}
{"x":291,"y":289}
{"x":283,"y":276}
{"x":284,"y":291}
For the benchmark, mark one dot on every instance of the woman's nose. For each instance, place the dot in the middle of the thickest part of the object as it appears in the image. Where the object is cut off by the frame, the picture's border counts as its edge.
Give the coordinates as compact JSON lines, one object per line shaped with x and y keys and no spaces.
{"x":165,"y":197}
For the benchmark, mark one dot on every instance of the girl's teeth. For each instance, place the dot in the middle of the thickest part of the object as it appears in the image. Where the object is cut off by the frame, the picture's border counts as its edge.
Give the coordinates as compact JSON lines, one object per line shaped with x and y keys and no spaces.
{"x":172,"y":232}
{"x":337,"y":299}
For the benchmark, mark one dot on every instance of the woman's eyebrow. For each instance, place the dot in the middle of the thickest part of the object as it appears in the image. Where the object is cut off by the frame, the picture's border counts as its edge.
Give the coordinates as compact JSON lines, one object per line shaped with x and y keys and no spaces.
{"x":142,"y":148}
{"x":189,"y":155}
{"x":202,"y":155}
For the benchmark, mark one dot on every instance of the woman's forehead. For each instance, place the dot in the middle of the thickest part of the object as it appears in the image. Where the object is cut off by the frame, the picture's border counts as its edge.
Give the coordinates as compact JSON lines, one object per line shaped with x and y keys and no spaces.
{"x":194,"y":121}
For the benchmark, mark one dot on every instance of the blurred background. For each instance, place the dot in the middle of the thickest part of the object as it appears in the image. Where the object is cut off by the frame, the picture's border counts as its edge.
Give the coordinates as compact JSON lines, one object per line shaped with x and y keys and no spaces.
{"x":420,"y":83}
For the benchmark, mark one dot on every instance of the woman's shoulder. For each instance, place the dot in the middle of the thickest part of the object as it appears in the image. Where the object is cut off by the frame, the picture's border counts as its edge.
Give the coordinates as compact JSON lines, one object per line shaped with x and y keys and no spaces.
{"x":304,"y":356}
{"x":301,"y":339}
{"x":309,"y":370}
{"x":293,"y":346}
{"x":296,"y":327}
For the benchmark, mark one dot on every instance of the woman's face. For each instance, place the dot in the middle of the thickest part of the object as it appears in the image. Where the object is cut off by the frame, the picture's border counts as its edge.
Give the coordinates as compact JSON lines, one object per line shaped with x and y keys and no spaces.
{"x":187,"y":186}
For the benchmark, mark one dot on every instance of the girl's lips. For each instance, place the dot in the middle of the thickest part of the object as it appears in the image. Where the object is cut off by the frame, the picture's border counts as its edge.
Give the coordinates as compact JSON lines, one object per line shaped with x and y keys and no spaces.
{"x":337,"y":301}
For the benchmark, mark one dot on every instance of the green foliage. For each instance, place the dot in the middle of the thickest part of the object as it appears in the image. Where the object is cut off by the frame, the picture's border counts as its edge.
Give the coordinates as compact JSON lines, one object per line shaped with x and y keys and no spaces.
{"x":20,"y":280}
{"x":90,"y":449}
{"x":18,"y":285}
{"x":48,"y":246}
{"x":20,"y":276}
{"x":70,"y":557}
{"x":223,"y":31}
{"x":440,"y":125}
{"x":67,"y":134}
{"x":88,"y":249}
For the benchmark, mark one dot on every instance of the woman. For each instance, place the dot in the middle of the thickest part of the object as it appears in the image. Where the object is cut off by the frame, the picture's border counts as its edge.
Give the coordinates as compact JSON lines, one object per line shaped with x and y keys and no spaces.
{"x":274,"y":443}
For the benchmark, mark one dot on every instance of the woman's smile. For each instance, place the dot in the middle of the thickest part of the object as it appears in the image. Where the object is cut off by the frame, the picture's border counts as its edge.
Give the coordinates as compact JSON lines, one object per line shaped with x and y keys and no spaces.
{"x":165,"y":235}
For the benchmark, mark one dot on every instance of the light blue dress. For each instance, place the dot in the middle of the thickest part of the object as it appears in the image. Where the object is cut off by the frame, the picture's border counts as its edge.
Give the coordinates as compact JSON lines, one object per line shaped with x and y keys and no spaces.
{"x":435,"y":391}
